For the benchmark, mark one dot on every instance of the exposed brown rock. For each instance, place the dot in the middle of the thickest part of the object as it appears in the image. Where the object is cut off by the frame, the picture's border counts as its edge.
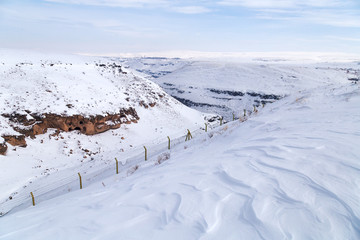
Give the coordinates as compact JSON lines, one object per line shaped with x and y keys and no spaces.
{"x":87,"y":125}
{"x":143,"y":104}
{"x":20,"y":119}
{"x":14,"y":140}
{"x":3,"y":148}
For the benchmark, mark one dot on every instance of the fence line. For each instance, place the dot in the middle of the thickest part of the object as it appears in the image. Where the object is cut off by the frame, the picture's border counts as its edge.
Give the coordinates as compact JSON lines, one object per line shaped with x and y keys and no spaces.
{"x":64,"y":181}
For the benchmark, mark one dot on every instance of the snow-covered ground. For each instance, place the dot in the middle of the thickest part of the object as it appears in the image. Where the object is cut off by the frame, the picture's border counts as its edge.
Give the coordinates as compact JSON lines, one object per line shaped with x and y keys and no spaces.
{"x":40,"y":83}
{"x":229,"y":85}
{"x":290,"y":172}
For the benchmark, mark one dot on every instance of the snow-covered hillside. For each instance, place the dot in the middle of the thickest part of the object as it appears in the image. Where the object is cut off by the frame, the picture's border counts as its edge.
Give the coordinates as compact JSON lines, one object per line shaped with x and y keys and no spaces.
{"x":35,"y":87}
{"x":229,"y":85}
{"x":290,"y":172}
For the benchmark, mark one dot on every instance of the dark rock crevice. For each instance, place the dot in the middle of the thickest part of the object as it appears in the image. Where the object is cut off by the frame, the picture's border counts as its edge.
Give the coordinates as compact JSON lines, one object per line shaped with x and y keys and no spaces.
{"x":190,"y":103}
{"x":226,"y":92}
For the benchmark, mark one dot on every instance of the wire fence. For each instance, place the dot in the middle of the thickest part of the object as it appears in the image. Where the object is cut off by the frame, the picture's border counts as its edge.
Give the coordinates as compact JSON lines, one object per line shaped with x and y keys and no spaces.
{"x":68,"y":180}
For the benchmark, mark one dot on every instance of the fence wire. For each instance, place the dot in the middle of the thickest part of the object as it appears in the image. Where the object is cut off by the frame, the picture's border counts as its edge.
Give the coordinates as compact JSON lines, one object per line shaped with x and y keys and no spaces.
{"x":67,"y":180}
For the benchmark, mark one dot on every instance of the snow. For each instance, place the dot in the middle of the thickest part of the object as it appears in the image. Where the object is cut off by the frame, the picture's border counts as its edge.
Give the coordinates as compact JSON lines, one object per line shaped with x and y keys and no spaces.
{"x":58,"y":81}
{"x":245,"y":57}
{"x":30,"y":82}
{"x":291,"y":171}
{"x":226,"y":85}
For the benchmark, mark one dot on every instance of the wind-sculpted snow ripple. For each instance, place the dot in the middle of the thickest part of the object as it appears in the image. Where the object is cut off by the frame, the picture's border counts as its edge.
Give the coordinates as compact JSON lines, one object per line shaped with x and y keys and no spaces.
{"x":280,"y":176}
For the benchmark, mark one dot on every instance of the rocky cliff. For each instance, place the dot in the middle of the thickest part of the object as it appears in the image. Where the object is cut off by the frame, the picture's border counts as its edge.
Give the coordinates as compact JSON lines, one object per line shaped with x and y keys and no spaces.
{"x":71,"y":93}
{"x":39,"y":124}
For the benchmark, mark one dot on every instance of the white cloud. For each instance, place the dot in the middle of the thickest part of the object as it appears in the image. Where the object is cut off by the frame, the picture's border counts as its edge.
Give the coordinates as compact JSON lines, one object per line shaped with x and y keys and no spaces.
{"x":335,"y":18}
{"x":175,"y":6}
{"x":285,"y":3}
{"x":330,"y":17}
{"x":338,"y":13}
{"x":344,"y":38}
{"x":259,"y":3}
{"x":191,"y":9}
{"x":114,"y":3}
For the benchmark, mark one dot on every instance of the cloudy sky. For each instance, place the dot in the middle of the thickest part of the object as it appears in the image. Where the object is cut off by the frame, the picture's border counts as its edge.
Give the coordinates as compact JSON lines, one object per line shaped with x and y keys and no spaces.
{"x":123,"y":26}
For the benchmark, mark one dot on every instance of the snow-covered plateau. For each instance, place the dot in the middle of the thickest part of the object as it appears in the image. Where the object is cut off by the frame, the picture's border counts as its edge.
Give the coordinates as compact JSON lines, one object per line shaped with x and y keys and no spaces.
{"x":227,"y":85}
{"x":291,"y":170}
{"x":77,"y":95}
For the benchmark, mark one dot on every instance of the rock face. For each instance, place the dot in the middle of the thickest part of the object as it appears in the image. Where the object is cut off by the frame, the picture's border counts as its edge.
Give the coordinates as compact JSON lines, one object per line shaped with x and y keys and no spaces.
{"x":86,"y":125}
{"x":38,"y":124}
{"x":3,"y":148}
{"x":16,"y":140}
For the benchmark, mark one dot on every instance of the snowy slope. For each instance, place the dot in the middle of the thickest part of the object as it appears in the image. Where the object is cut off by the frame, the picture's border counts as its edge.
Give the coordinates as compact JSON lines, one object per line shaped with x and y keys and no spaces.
{"x":290,"y":172}
{"x":229,"y":85}
{"x":48,"y":84}
{"x":89,"y":86}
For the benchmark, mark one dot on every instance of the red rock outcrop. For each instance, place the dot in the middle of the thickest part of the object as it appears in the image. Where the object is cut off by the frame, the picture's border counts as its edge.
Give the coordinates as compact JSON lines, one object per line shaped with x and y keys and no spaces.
{"x":16,"y":140}
{"x":87,"y":125}
{"x":3,"y":148}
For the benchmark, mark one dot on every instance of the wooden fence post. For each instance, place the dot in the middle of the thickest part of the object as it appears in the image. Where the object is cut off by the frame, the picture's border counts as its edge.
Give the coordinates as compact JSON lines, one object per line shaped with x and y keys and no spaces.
{"x":221,"y":119}
{"x":117,"y":166}
{"x":145,"y":153}
{"x":244,"y":112}
{"x":205,"y":127}
{"x":188,"y":135}
{"x":33,"y":199}
{"x":80,"y":180}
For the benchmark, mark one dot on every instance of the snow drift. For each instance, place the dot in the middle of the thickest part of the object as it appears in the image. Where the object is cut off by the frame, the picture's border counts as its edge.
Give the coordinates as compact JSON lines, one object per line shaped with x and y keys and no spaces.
{"x":291,"y":172}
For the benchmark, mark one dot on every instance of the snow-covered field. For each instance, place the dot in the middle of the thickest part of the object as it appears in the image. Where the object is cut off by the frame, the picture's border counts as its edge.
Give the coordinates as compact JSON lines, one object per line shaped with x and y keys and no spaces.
{"x":291,"y":171}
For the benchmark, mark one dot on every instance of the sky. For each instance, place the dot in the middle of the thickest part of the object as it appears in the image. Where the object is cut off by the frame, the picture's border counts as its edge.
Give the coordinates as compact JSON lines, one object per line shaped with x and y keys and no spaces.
{"x":135,"y":26}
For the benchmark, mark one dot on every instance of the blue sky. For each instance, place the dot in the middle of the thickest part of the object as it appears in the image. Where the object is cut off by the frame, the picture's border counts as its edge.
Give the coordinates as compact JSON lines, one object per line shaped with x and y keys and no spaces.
{"x":124,"y":26}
